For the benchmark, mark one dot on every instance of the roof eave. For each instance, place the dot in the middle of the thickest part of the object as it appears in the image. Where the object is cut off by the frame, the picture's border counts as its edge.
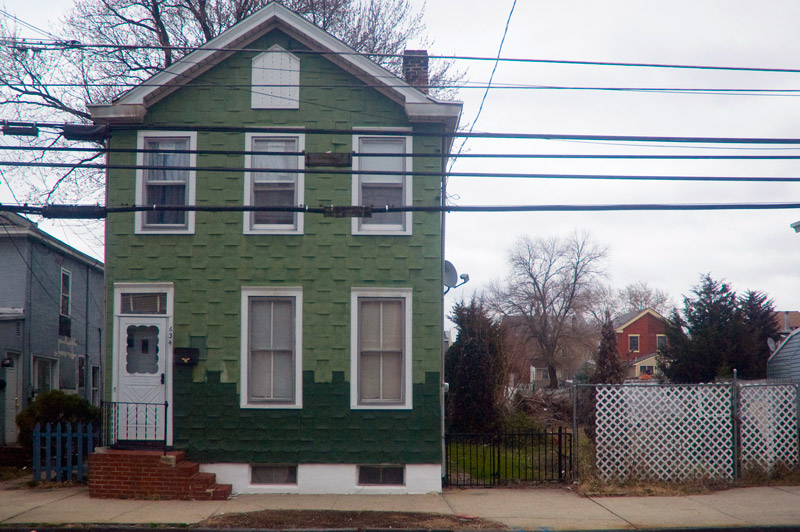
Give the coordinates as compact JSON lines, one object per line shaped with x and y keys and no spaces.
{"x":131,"y":107}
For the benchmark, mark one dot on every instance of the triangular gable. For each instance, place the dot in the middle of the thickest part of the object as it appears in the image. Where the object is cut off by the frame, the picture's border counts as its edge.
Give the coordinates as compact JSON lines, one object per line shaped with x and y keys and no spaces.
{"x":788,"y":341}
{"x":621,"y":328}
{"x":131,"y":107}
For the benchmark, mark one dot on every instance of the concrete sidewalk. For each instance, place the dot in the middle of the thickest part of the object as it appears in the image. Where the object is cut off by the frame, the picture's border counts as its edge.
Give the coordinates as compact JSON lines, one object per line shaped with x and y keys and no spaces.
{"x":526,"y":509}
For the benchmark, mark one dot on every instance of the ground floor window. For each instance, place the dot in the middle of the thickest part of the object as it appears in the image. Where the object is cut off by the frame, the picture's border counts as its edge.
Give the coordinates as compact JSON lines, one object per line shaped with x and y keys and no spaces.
{"x":381,"y":348}
{"x":273,"y":474}
{"x":44,"y":374}
{"x":271,"y":347}
{"x":381,"y":475}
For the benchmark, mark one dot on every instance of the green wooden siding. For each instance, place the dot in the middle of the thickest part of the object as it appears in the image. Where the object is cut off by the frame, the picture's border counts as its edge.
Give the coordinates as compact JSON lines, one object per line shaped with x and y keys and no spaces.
{"x":210,"y":267}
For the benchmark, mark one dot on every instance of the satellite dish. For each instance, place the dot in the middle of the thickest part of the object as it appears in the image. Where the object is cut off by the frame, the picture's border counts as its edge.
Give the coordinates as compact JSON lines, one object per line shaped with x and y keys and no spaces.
{"x":771,"y":344}
{"x":450,"y":274}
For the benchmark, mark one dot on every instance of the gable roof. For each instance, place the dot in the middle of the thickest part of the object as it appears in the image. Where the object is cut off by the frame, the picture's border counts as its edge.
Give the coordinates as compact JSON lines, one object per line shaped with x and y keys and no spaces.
{"x":131,"y":107}
{"x":790,"y":347}
{"x":16,"y":226}
{"x":626,"y":319}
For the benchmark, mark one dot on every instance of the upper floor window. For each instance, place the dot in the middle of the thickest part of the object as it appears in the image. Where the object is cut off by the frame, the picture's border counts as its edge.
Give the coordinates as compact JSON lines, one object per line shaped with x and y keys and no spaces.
{"x":381,"y":348}
{"x":276,"y":80}
{"x":633,"y":343}
{"x":166,"y":177}
{"x":64,"y":320}
{"x":280,"y":184}
{"x":66,"y":291}
{"x":384,"y":161}
{"x":271,"y":348}
{"x":661,"y":341}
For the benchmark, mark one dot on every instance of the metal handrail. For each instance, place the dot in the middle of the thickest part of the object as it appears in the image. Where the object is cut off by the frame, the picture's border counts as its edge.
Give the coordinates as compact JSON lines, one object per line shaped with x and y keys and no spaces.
{"x":134,"y":424}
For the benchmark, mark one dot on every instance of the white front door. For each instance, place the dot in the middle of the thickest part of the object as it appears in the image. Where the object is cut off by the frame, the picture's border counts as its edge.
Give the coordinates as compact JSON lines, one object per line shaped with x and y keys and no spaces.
{"x":13,"y":397}
{"x":142,"y":374}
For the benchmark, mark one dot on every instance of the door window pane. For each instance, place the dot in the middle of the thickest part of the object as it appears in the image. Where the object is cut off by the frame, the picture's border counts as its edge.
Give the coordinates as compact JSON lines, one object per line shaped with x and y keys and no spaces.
{"x":138,"y":303}
{"x":142,"y":349}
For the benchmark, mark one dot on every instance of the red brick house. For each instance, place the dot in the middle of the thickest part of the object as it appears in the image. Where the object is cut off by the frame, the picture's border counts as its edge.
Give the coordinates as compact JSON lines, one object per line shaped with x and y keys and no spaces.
{"x":639,"y":333}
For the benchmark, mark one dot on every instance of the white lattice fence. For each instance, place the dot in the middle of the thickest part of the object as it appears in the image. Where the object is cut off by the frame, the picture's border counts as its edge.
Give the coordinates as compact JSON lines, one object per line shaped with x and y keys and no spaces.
{"x":768,"y":432}
{"x":671,"y":433}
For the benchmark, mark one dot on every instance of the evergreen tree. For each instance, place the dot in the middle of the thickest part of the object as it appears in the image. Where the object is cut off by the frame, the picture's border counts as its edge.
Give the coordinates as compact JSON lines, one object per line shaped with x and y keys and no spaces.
{"x":470,"y":370}
{"x":609,"y":369}
{"x":758,"y":315}
{"x":717,"y":333}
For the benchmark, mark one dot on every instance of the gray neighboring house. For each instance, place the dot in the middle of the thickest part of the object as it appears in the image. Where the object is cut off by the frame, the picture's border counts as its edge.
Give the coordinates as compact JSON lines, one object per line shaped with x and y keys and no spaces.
{"x":784,"y":362}
{"x":51,"y":319}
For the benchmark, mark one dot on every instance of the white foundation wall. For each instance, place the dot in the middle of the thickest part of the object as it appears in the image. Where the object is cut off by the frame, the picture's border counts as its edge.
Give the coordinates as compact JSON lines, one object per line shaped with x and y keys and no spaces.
{"x":337,"y":479}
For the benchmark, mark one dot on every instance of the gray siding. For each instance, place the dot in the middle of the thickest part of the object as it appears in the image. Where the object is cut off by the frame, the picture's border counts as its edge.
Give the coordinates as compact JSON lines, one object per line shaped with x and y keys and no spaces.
{"x":14,"y":272}
{"x":785,"y":362}
{"x":31,"y":279}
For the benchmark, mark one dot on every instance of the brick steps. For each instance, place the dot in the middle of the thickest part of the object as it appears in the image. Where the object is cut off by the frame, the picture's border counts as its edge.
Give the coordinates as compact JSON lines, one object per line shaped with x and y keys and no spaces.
{"x":139,"y":474}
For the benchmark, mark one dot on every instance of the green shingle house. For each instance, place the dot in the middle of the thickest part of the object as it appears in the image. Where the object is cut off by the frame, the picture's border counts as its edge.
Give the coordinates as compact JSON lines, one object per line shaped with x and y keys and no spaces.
{"x":285,"y":351}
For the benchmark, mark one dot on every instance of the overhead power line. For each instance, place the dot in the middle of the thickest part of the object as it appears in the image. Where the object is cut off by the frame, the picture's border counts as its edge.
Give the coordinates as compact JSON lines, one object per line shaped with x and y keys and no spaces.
{"x":62,"y":44}
{"x":435,"y":134}
{"x":330,"y":171}
{"x":787,"y":92}
{"x":350,"y":211}
{"x":471,"y":155}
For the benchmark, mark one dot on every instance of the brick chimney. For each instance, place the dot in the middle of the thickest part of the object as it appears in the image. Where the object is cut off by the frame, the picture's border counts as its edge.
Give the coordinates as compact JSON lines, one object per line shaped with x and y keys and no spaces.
{"x":415,"y":68}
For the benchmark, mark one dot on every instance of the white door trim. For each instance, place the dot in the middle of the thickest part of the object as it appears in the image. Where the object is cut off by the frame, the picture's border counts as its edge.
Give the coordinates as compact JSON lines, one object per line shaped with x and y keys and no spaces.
{"x":129,"y":287}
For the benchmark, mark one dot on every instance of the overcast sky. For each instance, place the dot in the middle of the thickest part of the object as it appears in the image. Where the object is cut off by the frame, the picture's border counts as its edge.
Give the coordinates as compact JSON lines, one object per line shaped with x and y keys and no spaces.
{"x":751,"y":249}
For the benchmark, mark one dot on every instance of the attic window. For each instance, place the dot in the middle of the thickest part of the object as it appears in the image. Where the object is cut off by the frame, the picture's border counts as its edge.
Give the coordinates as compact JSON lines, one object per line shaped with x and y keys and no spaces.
{"x":275,"y":80}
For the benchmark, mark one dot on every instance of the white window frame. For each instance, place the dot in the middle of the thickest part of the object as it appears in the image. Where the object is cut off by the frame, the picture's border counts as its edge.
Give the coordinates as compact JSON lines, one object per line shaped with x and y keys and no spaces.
{"x":282,"y":292}
{"x":295,"y":228}
{"x":68,"y":294}
{"x":141,"y":227}
{"x":275,"y":78}
{"x":638,"y":343}
{"x":362,"y":226}
{"x":380,"y":293}
{"x":658,"y":336}
{"x":54,"y":374}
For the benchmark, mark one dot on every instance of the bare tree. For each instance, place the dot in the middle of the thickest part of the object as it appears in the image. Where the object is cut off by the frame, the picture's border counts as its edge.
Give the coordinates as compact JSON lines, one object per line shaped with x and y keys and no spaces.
{"x":134,"y":39}
{"x":551,"y":288}
{"x":638,"y":296}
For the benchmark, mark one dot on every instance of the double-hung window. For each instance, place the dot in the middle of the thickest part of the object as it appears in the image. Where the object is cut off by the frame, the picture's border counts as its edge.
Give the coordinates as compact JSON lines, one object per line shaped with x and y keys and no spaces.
{"x":380,"y":179}
{"x":64,"y":320}
{"x":166,"y":177}
{"x":633,"y":343}
{"x":271,"y":348}
{"x":274,"y":179}
{"x":381,"y":348}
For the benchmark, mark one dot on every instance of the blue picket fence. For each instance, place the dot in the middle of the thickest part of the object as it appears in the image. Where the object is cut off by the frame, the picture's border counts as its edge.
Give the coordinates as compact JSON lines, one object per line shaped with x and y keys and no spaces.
{"x":61,"y":453}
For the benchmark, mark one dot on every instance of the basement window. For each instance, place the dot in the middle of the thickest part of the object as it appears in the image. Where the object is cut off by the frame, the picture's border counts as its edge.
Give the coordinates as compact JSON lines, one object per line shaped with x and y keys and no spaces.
{"x":381,"y":475}
{"x":273,"y":474}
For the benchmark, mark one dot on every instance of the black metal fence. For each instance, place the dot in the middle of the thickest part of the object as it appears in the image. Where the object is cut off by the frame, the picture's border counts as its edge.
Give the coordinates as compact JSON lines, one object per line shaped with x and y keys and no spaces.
{"x":480,"y":460}
{"x":135,"y":425}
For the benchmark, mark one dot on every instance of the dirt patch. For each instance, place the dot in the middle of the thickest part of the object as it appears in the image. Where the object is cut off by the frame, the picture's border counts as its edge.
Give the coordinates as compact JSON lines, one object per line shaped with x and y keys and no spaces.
{"x":319,"y":519}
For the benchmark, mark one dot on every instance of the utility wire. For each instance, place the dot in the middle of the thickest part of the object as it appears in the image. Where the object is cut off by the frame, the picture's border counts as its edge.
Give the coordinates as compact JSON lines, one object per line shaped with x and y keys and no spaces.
{"x":471,"y":155}
{"x":61,"y":44}
{"x":350,"y":211}
{"x":459,"y":86}
{"x":488,"y":86}
{"x":432,"y":134}
{"x":330,"y":171}
{"x":28,"y":25}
